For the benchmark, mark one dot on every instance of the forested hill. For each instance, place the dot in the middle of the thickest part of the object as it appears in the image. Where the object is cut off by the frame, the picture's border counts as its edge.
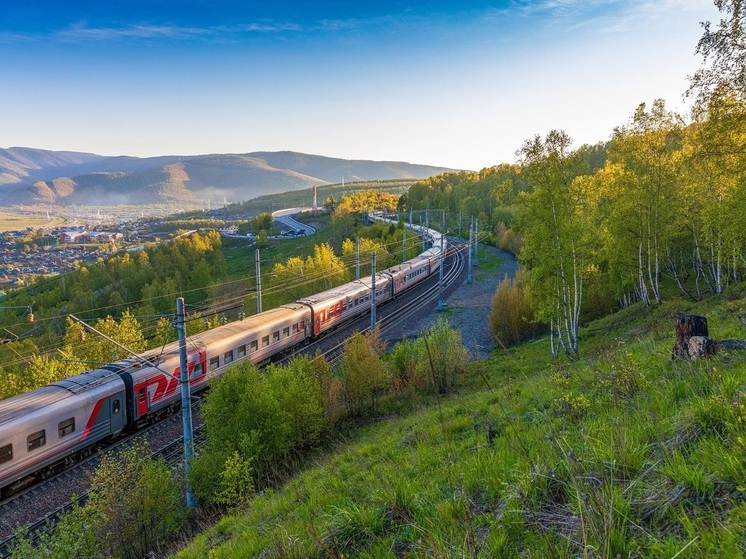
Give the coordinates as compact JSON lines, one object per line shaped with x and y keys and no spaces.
{"x":32,"y":176}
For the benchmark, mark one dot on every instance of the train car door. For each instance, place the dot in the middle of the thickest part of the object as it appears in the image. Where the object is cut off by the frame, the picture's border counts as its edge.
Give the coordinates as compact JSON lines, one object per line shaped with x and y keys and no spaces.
{"x":142,"y":400}
{"x":116,"y":413}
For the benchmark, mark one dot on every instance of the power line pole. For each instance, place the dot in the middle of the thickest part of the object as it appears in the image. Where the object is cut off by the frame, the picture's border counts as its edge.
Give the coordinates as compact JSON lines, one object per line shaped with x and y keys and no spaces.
{"x":186,"y":407}
{"x":373,"y":293}
{"x":476,"y":243}
{"x":357,"y":258}
{"x":441,"y":305}
{"x":468,"y":267}
{"x":258,"y":282}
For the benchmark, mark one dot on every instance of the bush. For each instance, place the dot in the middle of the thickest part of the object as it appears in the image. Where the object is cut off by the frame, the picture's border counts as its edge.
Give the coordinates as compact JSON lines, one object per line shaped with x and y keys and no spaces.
{"x":255,"y":423}
{"x":134,"y":506}
{"x":365,"y":375}
{"x":512,"y":318}
{"x":442,"y":355}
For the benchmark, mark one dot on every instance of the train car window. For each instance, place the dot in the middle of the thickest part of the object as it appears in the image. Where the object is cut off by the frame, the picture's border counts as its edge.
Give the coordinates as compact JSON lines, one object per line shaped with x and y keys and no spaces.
{"x":241,"y":351}
{"x":66,"y":427}
{"x":295,"y":328}
{"x":331,"y":312}
{"x":286,"y":332}
{"x":214,"y":363}
{"x":253,"y":346}
{"x":198,"y":371}
{"x":115,"y":407}
{"x":265,"y":341}
{"x":6,"y":453}
{"x":228,"y":357}
{"x":141,"y":396}
{"x":36,"y":440}
{"x":275,"y":336}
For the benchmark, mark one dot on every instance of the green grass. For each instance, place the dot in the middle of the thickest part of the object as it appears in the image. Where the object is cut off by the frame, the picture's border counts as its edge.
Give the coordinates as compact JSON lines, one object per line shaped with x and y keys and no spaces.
{"x":622,"y":453}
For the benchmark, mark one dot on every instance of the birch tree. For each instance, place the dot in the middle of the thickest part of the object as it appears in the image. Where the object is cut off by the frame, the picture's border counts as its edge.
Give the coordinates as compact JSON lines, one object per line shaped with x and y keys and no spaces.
{"x":723,"y":52}
{"x":648,"y":151}
{"x":556,"y":236}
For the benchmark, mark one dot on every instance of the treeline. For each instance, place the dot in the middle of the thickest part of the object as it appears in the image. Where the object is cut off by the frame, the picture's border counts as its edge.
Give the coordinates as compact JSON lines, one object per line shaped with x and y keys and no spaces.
{"x":662,"y":211}
{"x":334,"y":262}
{"x":657,"y":210}
{"x":142,"y":284}
{"x":270,"y":202}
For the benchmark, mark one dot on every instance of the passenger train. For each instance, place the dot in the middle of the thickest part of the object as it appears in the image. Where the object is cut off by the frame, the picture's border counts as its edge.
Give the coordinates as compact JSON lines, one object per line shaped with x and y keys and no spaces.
{"x":48,"y":429}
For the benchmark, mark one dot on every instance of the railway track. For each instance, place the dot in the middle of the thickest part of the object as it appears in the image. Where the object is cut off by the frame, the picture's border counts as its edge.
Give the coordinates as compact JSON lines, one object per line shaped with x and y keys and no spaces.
{"x":40,"y":507}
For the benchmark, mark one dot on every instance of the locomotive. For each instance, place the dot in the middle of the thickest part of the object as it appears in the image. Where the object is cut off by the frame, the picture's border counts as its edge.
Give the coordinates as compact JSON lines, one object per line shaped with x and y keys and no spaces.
{"x":48,"y":429}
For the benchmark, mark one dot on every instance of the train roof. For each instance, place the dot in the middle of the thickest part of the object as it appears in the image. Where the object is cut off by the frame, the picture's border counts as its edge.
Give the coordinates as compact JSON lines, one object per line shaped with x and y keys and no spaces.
{"x":337,"y":292}
{"x":155,"y":356}
{"x":88,"y":382}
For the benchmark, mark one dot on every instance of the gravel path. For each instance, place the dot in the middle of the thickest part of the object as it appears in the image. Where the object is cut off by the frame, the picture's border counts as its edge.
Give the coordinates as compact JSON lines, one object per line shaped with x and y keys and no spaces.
{"x":468,"y":305}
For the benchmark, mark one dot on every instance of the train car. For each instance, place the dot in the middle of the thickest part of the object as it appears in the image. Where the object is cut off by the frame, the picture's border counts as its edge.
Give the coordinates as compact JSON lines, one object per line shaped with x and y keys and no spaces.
{"x":48,"y":428}
{"x":333,"y":306}
{"x":154,"y":388}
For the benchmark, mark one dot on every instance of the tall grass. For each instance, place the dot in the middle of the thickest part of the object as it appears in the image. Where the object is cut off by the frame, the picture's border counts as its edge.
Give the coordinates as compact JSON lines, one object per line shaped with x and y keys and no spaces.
{"x":620,"y":454}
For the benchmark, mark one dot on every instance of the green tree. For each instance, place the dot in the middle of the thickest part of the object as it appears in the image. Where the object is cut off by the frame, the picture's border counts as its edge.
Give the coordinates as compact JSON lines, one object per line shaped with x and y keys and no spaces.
{"x":365,"y":376}
{"x":556,"y":234}
{"x":512,"y":317}
{"x":645,"y":202}
{"x":137,"y":503}
{"x":724,"y":54}
{"x":83,"y":350}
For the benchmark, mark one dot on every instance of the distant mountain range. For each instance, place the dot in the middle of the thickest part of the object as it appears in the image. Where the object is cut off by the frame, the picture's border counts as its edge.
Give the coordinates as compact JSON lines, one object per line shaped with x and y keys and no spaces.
{"x":33,"y":176}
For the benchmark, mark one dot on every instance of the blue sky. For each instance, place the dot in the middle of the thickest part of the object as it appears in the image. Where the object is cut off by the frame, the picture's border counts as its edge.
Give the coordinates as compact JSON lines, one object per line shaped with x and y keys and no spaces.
{"x":458,"y":84}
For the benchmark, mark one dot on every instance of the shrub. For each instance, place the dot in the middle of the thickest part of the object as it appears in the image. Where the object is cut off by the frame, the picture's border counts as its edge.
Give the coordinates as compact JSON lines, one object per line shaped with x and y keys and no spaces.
{"x":365,"y":375}
{"x":442,"y":355}
{"x":256,"y":423}
{"x":134,"y":506}
{"x":512,"y":317}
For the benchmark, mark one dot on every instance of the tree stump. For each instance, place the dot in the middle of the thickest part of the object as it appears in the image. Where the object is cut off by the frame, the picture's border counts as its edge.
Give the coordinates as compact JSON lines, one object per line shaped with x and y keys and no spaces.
{"x":701,"y":346}
{"x":688,"y":326}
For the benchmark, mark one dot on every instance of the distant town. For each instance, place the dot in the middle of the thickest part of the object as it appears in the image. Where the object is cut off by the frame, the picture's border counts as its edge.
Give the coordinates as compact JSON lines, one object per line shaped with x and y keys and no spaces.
{"x":34,"y":252}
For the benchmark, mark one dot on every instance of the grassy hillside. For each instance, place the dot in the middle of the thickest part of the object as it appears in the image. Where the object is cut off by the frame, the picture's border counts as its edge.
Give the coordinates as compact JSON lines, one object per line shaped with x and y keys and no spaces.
{"x":622,"y":453}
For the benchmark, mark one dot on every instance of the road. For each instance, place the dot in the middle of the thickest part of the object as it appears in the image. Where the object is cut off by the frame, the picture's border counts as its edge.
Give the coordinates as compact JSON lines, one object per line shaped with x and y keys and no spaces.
{"x":285,"y":218}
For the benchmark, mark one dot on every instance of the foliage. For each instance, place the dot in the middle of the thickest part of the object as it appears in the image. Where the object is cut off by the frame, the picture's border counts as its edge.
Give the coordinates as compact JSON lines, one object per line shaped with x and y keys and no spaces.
{"x":255,"y":423}
{"x":146,"y":282}
{"x":299,"y":277}
{"x":444,"y":357}
{"x":512,"y":316}
{"x":83,"y":350}
{"x":369,"y":200}
{"x":723,"y":54}
{"x":139,"y":503}
{"x":133,"y":507}
{"x":364,"y":373}
{"x":557,"y":234}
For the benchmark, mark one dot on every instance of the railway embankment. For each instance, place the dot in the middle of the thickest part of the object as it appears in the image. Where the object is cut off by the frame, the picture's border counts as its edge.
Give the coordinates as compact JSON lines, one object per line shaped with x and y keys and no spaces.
{"x":467,"y":305}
